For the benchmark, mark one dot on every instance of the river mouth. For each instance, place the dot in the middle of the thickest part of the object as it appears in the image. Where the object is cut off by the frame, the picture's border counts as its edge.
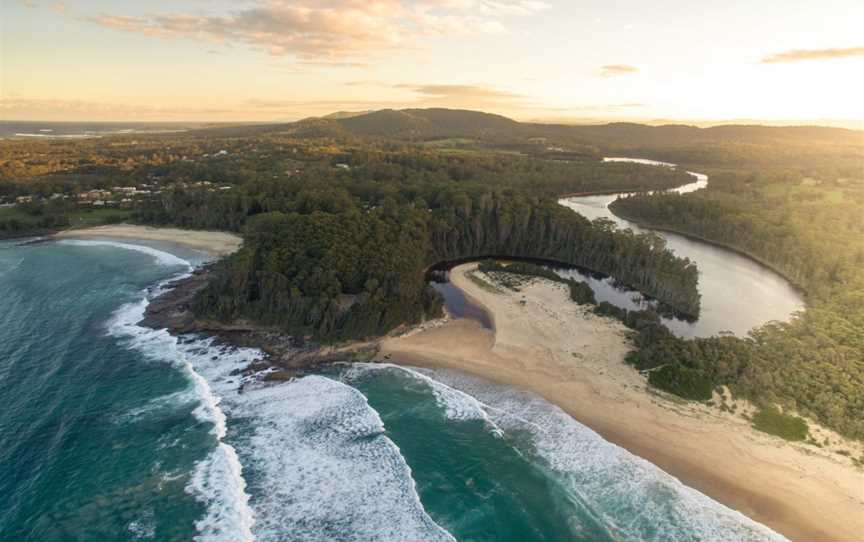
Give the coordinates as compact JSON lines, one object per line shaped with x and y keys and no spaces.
{"x":738,"y":293}
{"x":605,"y":288}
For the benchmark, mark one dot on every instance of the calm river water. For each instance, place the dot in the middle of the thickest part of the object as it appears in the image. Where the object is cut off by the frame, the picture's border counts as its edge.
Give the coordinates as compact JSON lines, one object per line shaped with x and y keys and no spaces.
{"x":738,"y":293}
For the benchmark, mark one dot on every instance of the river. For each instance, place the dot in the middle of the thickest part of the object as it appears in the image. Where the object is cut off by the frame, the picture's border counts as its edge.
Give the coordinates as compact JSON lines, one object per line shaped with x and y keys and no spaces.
{"x":738,"y":293}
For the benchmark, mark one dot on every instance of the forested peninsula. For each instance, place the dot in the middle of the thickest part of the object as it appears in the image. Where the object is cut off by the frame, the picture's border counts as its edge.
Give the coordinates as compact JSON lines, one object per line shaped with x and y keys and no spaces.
{"x":342,"y":216}
{"x":353,"y":263}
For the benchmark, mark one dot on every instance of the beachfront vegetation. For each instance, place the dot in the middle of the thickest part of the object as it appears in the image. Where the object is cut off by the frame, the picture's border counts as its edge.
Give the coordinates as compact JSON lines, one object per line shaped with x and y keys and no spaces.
{"x":342,"y":216}
{"x":580,"y":292}
{"x":29,"y":220}
{"x":772,"y":421}
{"x":687,"y":383}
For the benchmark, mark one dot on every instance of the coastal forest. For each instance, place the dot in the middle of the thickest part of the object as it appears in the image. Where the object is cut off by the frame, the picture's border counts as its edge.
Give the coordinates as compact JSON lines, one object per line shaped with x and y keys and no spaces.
{"x":335,"y":258}
{"x":809,"y":227}
{"x":342,"y":217}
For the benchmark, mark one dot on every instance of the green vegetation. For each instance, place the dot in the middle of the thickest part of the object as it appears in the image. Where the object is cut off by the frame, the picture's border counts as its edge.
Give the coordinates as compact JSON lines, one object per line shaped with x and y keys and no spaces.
{"x":17,"y":221}
{"x":772,"y":421}
{"x":580,"y":292}
{"x":807,"y":225}
{"x":342,"y":272}
{"x":343,"y":215}
{"x":25,"y":220}
{"x":683,"y":382}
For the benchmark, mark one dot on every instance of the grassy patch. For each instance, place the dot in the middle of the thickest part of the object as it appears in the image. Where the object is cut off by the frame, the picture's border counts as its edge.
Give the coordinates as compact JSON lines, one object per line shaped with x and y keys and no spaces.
{"x":16,"y":213}
{"x":772,"y":421}
{"x":472,"y":276}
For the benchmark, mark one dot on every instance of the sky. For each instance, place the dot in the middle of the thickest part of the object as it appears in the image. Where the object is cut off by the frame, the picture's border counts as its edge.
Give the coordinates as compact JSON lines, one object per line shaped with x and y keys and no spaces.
{"x":568,"y":60}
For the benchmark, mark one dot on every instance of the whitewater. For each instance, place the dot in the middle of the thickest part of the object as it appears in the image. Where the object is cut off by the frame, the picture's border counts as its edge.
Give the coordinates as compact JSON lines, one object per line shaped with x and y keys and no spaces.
{"x":353,"y":452}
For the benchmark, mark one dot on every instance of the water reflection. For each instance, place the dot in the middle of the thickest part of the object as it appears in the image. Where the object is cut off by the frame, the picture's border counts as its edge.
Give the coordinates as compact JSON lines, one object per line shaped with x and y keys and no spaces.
{"x":738,"y":293}
{"x":460,"y":306}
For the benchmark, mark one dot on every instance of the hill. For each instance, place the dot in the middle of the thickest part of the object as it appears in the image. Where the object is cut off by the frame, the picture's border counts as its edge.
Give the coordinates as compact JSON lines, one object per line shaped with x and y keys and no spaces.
{"x":457,"y":122}
{"x":425,"y":123}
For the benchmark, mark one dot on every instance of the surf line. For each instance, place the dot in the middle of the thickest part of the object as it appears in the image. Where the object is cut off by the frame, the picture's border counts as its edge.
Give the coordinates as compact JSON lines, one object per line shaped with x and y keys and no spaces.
{"x":217,"y":480}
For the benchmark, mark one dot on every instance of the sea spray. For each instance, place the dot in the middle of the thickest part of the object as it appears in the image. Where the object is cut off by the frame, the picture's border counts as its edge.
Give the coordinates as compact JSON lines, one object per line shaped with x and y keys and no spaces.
{"x":218,"y":479}
{"x":323,"y":467}
{"x":457,"y":405}
{"x":634,"y":498}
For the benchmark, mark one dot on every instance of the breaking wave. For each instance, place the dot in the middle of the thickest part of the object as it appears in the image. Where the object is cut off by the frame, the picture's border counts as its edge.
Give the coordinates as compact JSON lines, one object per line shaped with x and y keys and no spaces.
{"x":635,"y":499}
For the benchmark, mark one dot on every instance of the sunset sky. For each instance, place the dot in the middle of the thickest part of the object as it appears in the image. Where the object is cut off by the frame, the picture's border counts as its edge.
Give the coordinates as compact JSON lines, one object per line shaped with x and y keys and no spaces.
{"x":260,"y":60}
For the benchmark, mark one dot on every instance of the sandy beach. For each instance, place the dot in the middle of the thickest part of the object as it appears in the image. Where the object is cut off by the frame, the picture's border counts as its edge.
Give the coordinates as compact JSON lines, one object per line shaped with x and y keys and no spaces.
{"x":213,"y":242}
{"x":545,"y":343}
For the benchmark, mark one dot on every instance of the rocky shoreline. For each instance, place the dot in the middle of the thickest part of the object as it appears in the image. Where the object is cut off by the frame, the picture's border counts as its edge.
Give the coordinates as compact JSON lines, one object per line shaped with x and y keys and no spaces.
{"x":285,"y":356}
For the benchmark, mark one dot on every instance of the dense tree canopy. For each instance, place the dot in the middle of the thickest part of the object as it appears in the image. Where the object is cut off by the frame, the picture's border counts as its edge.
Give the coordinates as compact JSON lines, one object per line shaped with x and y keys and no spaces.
{"x":342,"y":216}
{"x":810,"y":228}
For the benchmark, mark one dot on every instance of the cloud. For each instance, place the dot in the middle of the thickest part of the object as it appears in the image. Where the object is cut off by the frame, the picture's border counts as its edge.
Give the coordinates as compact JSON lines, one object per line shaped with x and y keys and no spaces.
{"x":461,"y":92}
{"x":472,"y":96}
{"x":612,"y":70}
{"x":28,"y":108}
{"x":393,"y":96}
{"x":610,"y":107}
{"x":328,"y":28}
{"x":798,"y":55}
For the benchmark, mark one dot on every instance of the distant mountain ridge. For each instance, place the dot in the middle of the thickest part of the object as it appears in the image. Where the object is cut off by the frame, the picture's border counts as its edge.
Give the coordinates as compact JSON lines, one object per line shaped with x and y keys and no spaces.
{"x":441,"y":123}
{"x":426,"y":122}
{"x":438,"y":122}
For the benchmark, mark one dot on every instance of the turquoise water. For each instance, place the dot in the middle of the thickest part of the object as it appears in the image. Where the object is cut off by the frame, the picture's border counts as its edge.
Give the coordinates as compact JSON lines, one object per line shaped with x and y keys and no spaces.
{"x":110,"y":431}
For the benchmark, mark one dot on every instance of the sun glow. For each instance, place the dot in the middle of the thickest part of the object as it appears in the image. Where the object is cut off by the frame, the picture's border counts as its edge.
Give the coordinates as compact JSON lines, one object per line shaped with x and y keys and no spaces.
{"x":277,"y":60}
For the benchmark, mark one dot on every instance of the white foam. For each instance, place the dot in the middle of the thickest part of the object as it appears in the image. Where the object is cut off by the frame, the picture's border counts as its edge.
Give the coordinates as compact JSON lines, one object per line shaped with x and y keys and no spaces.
{"x":218,"y":479}
{"x":324,"y":470}
{"x":162,"y":403}
{"x":162,"y":257}
{"x":144,"y":527}
{"x":635,"y":499}
{"x":457,"y":405}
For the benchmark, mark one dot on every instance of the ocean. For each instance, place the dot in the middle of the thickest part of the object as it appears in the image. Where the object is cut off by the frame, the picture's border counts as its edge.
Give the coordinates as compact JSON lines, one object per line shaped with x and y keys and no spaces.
{"x":78,"y":130}
{"x":111,"y":431}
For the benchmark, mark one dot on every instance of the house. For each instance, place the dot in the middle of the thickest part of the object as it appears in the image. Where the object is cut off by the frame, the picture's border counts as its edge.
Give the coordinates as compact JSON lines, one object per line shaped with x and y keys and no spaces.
{"x":93,"y":195}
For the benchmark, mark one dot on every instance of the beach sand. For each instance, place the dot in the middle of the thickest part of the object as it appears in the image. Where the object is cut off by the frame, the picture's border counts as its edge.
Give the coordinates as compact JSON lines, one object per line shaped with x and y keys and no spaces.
{"x":545,"y":343}
{"x":215,"y":243}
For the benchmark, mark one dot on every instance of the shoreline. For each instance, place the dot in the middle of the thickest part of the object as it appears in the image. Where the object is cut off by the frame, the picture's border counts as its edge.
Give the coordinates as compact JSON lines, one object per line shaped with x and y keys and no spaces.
{"x":693,"y":237}
{"x":215,"y":243}
{"x":548,"y":345}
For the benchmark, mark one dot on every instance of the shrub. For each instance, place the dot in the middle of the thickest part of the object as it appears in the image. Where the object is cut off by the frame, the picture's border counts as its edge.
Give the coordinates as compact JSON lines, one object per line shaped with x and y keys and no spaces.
{"x":581,"y":293}
{"x":772,"y":421}
{"x":683,"y":382}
